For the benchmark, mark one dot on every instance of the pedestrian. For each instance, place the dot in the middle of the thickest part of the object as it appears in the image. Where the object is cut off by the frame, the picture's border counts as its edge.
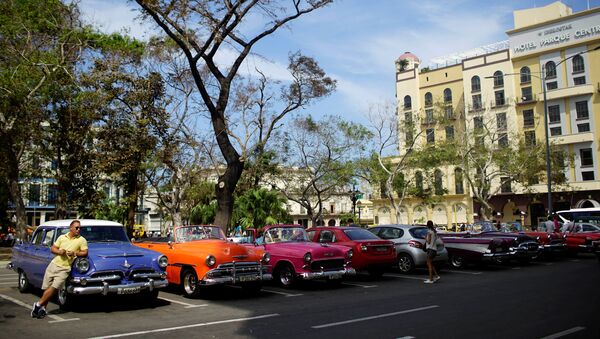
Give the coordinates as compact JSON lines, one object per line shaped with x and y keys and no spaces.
{"x":66,"y":248}
{"x":431,"y":246}
{"x":550,"y":225}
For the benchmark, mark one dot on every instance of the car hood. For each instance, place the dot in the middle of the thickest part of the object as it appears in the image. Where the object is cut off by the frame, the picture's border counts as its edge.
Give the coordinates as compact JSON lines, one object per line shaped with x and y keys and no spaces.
{"x":104,"y":256}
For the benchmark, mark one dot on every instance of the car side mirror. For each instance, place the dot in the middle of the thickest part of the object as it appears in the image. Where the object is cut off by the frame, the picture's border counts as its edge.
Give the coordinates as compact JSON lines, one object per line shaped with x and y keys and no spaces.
{"x":133,"y":240}
{"x":170,"y":243}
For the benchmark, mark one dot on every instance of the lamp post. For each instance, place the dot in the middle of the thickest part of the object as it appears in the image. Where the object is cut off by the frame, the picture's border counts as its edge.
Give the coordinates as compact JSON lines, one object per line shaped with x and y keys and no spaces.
{"x":354,"y":194}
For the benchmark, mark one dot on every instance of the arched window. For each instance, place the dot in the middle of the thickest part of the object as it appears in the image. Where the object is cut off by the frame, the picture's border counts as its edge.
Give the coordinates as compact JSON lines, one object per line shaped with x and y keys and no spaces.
{"x":498,"y":79}
{"x":428,"y":99}
{"x":550,"y":70}
{"x":439,"y":187}
{"x":475,"y":84}
{"x":525,"y":75}
{"x":419,"y":181}
{"x":578,"y":66}
{"x":458,"y":181}
{"x":447,"y":95}
{"x":407,"y":102}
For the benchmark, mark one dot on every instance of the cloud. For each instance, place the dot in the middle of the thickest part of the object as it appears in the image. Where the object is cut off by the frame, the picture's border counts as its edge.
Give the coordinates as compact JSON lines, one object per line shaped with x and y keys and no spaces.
{"x":116,"y":16}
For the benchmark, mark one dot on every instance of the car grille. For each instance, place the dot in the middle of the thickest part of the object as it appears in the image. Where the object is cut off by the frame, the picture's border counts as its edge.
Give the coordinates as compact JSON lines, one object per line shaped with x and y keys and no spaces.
{"x":143,"y":275}
{"x":327,"y":265}
{"x":237,"y":268}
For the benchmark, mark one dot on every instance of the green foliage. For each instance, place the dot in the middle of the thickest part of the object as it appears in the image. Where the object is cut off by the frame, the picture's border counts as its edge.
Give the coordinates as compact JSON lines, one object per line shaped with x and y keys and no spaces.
{"x":110,"y":210}
{"x":259,"y":207}
{"x":203,"y":214}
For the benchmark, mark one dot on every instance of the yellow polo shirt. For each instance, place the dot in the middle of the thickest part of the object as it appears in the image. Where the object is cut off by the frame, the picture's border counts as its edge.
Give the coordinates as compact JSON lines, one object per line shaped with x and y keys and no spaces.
{"x":67,"y":243}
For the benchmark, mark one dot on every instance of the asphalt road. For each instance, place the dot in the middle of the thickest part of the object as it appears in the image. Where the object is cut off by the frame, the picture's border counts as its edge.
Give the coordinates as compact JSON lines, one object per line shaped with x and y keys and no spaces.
{"x":546,"y":299}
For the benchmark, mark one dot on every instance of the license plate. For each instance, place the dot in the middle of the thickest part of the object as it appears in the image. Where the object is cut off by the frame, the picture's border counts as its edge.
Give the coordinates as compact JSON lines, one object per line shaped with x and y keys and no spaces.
{"x":129,"y":290}
{"x":243,"y":278}
{"x":380,"y":249}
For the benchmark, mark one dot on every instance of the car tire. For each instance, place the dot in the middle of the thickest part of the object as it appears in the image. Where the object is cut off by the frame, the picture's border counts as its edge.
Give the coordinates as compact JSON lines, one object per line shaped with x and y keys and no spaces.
{"x":405,"y":263}
{"x":189,"y":283}
{"x":23,"y":283}
{"x":457,"y":261}
{"x":65,"y":300}
{"x":286,"y":276}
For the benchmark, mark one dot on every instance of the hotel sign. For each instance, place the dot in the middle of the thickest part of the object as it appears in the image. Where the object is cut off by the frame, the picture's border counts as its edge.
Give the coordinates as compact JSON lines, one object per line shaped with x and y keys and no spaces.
{"x":567,"y":32}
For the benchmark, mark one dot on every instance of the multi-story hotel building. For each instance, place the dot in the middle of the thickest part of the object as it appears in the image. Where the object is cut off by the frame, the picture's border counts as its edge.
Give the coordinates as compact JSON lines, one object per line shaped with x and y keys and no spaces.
{"x":502,"y":83}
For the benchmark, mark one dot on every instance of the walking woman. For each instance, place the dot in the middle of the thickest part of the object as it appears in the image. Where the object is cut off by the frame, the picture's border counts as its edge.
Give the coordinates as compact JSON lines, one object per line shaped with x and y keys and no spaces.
{"x":430,"y":246}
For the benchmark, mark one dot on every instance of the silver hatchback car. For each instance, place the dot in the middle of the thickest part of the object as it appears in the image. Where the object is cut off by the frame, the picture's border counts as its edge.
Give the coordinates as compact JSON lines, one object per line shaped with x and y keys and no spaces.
{"x":410,"y":242}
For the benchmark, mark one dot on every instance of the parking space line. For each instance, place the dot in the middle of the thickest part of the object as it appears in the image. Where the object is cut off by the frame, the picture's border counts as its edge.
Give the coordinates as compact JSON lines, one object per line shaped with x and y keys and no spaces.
{"x":565,"y":332}
{"x":463,"y":272}
{"x":182,"y":303}
{"x":188,"y":326}
{"x":56,"y":318}
{"x":405,"y":276}
{"x":8,"y":278}
{"x":359,"y":285}
{"x":8,"y":275}
{"x":375,"y":317}
{"x":282,"y":293}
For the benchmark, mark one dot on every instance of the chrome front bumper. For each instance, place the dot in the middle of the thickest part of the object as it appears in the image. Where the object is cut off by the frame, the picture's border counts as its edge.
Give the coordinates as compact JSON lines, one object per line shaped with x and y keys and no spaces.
{"x":106,"y":289}
{"x":554,"y":247}
{"x":230,"y":280}
{"x":338,"y":274}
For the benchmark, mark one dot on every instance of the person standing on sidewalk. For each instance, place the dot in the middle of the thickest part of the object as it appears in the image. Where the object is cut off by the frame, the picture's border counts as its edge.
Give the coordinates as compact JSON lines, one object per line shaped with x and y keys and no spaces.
{"x":431,"y":247}
{"x":66,"y":248}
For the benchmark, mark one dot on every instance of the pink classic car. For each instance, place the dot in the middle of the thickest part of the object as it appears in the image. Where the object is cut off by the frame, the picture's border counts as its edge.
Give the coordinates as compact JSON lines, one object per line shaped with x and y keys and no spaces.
{"x":294,"y":257}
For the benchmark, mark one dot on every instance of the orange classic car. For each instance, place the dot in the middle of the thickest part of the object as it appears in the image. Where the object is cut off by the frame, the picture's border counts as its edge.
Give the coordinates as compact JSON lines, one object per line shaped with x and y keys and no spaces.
{"x":201,"y":256}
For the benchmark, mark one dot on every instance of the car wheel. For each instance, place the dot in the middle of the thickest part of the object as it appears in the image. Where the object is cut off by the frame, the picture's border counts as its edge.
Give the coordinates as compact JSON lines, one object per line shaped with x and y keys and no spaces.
{"x":405,"y":263}
{"x":65,"y":300}
{"x":189,"y":283}
{"x":286,"y":275}
{"x":457,"y":261}
{"x":24,"y":284}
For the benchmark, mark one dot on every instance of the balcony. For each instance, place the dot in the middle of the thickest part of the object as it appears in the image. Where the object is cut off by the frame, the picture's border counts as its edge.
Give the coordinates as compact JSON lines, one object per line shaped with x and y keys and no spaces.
{"x":568,"y":92}
{"x":568,"y":139}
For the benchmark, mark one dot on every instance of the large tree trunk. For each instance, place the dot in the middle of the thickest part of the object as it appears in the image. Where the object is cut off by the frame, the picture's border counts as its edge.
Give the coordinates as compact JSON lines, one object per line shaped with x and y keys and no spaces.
{"x":132,"y":196}
{"x":224,"y":190}
{"x":12,"y":168}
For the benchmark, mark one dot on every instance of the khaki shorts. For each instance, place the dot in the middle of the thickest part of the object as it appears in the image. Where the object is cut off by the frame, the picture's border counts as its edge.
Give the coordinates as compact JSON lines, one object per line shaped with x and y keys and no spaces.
{"x":55,"y":276}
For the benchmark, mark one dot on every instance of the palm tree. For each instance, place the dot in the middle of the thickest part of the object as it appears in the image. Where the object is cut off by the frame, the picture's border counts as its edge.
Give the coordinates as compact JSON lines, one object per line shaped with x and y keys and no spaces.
{"x":259,"y":207}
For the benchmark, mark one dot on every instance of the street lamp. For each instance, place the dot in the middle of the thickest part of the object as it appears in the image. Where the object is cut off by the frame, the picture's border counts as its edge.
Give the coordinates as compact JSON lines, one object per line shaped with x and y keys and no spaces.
{"x":354,"y":196}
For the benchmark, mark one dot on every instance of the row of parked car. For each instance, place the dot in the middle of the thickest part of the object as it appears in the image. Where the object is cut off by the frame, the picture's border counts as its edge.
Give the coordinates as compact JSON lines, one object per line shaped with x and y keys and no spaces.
{"x":197,"y":257}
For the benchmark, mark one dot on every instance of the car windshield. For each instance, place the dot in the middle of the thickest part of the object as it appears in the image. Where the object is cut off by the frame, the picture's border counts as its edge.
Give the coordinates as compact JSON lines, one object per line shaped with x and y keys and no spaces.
{"x":100,"y":233}
{"x":285,"y":234}
{"x":360,"y":234}
{"x":193,"y":233}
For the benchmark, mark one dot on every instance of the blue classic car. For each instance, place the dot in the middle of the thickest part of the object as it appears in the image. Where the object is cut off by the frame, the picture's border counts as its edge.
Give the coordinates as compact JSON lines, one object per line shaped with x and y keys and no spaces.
{"x":113,"y":264}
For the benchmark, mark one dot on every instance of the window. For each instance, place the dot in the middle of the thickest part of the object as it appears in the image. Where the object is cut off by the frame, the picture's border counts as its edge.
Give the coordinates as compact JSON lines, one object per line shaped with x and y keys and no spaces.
{"x":477,"y":101}
{"x":429,"y":116}
{"x":498,"y":79}
{"x":448,"y":112}
{"x":447,"y":95}
{"x":449,"y":132}
{"x":37,"y":237}
{"x":586,"y":176}
{"x":390,"y":233}
{"x":439,"y":187}
{"x":430,"y":135}
{"x":525,"y":75}
{"x":582,"y":110}
{"x":526,"y":94}
{"x":34,"y":195}
{"x":579,"y":80}
{"x":331,"y":208}
{"x":419,"y":181}
{"x":578,"y":66}
{"x":407,"y":102}
{"x":52,"y":195}
{"x":409,"y":136}
{"x":458,"y":181}
{"x":408,"y":117}
{"x":326,"y":236}
{"x":428,"y":99}
{"x":478,"y":123}
{"x":530,"y":138}
{"x":501,"y":124}
{"x":581,"y":128}
{"x":555,"y":131}
{"x":551,"y":85}
{"x":586,"y":157}
{"x":503,"y":140}
{"x":475,"y":84}
{"x":48,"y":238}
{"x":554,"y":114}
{"x":550,"y":70}
{"x":505,"y":185}
{"x":499,"y":98}
{"x":528,"y":119}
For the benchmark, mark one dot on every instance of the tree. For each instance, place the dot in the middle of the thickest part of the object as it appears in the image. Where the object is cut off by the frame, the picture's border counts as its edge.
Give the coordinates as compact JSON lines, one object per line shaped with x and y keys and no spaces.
{"x":259,"y":207}
{"x":319,"y":156}
{"x":204,"y":30}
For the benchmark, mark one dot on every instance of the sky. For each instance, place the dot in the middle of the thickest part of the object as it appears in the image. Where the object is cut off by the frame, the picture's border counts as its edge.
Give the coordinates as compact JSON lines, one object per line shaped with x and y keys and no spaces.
{"x":356,"y":41}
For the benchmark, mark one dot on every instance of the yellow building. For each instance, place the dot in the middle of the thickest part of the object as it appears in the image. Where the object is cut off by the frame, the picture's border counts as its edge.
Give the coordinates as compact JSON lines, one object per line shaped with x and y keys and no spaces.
{"x":502,"y":83}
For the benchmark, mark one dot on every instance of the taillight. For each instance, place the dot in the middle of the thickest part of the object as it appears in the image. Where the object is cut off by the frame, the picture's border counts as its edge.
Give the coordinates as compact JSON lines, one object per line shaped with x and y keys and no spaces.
{"x":414,"y":243}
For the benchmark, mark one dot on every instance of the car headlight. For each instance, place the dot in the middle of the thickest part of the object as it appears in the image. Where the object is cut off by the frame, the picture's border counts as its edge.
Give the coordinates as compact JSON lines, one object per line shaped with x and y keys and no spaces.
{"x":307,"y":257}
{"x":266,"y":257}
{"x":163,"y":261}
{"x":363,"y":248}
{"x":82,"y":265}
{"x":349,"y":254}
{"x":210,"y":260}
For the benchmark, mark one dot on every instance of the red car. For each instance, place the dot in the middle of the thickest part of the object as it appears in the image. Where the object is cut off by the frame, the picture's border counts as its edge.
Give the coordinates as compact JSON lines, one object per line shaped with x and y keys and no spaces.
{"x":371,"y":253}
{"x":578,"y":240}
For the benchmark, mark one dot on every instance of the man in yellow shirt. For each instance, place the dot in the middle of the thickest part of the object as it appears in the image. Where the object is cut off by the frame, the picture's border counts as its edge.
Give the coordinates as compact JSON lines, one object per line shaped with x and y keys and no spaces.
{"x":67,"y":247}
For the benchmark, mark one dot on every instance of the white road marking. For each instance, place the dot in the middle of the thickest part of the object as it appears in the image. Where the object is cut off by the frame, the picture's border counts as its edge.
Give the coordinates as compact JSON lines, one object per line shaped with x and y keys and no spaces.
{"x":188,"y":326}
{"x":375,"y":317}
{"x":359,"y":285}
{"x":56,"y":318}
{"x":10,"y":278}
{"x":565,"y":332}
{"x":7,"y":283}
{"x":182,"y":303}
{"x":463,"y":272}
{"x":282,"y":293}
{"x":405,"y":276}
{"x":8,"y":275}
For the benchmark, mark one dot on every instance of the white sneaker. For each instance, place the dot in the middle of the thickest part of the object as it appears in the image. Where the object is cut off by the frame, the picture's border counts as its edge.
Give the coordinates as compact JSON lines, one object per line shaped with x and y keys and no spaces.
{"x":429,"y":281}
{"x":436,"y":278}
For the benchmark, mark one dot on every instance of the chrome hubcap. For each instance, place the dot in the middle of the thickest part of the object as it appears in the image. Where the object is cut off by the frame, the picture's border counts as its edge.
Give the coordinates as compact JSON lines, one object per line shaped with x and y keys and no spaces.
{"x":457,"y":261}
{"x":285,"y":276}
{"x":62,"y":296}
{"x":189,"y":283}
{"x":404,"y":264}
